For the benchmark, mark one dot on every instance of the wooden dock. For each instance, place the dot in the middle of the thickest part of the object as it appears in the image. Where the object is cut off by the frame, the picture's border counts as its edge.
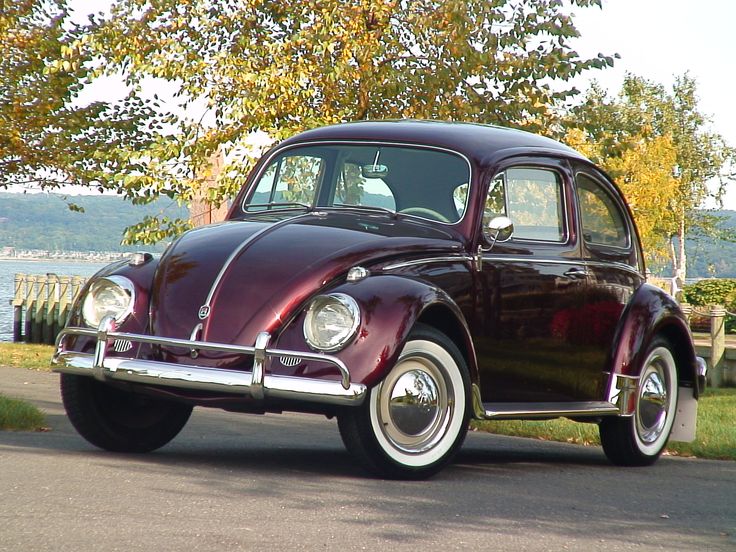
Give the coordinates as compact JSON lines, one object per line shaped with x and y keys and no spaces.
{"x":41,"y":305}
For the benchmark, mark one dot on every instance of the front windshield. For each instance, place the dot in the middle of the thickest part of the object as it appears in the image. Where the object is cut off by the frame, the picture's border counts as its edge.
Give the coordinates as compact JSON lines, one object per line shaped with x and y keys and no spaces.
{"x":422,"y":182}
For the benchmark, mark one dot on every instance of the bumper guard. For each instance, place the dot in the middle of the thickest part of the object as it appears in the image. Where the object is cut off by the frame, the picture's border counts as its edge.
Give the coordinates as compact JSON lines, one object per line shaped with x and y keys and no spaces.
{"x":256,"y":383}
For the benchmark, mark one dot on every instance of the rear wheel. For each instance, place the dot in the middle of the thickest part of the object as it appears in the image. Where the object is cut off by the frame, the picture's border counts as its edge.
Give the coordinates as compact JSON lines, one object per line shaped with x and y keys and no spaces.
{"x":117,"y":420}
{"x":639,"y":440}
{"x":413,"y":422}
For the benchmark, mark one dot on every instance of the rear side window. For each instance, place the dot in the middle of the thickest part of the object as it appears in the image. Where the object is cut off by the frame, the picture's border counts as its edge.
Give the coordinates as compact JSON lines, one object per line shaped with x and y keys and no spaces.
{"x":603,"y":222}
{"x":533,"y":199}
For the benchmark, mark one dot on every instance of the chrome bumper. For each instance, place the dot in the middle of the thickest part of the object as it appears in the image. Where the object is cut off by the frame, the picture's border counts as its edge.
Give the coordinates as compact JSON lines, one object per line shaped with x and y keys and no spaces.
{"x":256,"y":383}
{"x":702,"y":373}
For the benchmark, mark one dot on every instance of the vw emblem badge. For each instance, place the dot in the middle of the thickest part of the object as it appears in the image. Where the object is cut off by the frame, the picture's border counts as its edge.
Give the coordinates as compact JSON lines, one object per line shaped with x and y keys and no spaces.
{"x":204,"y":312}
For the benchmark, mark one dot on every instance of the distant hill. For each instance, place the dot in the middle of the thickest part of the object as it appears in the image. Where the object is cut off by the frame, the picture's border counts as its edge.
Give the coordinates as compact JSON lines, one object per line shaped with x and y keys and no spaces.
{"x":707,"y":257}
{"x":45,"y":221}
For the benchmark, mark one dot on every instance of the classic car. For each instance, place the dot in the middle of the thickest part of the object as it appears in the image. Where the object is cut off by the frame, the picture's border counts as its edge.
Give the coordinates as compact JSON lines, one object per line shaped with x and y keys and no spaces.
{"x":403,"y":277}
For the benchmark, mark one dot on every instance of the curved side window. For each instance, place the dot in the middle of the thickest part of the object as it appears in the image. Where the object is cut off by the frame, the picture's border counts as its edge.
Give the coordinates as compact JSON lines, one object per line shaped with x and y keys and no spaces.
{"x":602,"y":221}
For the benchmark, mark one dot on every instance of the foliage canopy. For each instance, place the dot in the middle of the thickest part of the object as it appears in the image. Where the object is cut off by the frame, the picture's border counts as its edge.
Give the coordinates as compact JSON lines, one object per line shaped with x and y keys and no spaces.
{"x":660,"y":149}
{"x":46,"y":137}
{"x":280,"y":67}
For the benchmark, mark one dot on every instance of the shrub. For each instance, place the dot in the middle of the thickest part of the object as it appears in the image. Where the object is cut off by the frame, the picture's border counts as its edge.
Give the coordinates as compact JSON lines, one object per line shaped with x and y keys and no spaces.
{"x":714,"y":291}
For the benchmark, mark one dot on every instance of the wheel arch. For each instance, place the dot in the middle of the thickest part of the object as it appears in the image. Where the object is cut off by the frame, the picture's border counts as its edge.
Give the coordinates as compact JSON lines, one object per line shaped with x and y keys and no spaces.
{"x":391,"y":307}
{"x":651,"y":313}
{"x":444,"y":319}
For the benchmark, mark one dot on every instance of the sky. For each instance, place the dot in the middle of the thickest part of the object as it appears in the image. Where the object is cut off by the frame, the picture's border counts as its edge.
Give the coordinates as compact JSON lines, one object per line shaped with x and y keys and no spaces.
{"x":656,"y":39}
{"x":661,"y":39}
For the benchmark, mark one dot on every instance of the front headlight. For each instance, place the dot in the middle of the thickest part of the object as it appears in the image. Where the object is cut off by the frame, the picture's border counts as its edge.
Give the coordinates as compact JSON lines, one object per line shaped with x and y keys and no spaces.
{"x":331,"y":321}
{"x":111,"y":296}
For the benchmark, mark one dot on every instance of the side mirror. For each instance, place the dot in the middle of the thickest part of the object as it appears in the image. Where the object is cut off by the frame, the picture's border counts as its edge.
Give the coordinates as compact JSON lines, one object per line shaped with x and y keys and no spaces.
{"x":500,"y":229}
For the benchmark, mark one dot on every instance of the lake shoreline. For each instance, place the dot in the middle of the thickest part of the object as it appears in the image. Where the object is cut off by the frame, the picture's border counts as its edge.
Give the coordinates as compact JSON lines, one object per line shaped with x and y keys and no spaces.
{"x":62,"y":260}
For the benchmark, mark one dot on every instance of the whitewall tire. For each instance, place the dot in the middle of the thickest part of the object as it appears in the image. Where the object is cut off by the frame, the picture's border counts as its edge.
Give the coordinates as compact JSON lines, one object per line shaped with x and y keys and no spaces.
{"x":413,"y":422}
{"x":639,"y":440}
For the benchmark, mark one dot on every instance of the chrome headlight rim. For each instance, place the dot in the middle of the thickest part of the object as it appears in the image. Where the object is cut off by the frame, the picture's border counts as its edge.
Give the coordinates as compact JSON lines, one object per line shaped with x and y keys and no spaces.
{"x":120,"y":281}
{"x":320,"y":302}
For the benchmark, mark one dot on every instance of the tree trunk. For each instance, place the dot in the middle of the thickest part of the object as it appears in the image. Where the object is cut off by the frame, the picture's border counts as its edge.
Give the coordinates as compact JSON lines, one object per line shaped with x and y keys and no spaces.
{"x":681,"y":239}
{"x":679,"y":259}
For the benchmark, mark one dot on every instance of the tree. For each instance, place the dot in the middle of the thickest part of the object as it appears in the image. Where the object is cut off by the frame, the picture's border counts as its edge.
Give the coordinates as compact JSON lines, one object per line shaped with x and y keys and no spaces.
{"x":281,"y":67}
{"x":45,"y":138}
{"x":660,"y":149}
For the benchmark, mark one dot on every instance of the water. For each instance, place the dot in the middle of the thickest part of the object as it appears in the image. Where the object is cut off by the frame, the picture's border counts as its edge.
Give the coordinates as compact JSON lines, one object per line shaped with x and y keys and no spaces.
{"x":8,"y":270}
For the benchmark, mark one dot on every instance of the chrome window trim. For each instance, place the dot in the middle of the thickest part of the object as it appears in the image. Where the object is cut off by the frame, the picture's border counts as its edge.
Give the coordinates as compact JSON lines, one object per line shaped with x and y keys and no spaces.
{"x":279,"y":151}
{"x":565,"y":215}
{"x":547,"y":260}
{"x":615,"y":264}
{"x":532,"y":259}
{"x":429,"y":260}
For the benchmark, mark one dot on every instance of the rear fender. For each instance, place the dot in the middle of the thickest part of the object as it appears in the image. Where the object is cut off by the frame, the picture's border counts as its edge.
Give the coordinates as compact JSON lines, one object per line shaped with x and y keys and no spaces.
{"x":390,"y":307}
{"x":650,"y":313}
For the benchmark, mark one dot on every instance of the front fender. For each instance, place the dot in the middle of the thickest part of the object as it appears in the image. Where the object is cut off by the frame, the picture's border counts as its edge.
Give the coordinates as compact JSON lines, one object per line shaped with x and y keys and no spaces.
{"x":650,"y":313}
{"x":390,"y":307}
{"x":137,"y":322}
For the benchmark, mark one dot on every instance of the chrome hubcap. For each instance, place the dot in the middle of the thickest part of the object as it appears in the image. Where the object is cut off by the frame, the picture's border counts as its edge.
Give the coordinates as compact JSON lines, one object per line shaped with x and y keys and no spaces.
{"x":414,"y":402}
{"x":653,"y":404}
{"x":414,"y":407}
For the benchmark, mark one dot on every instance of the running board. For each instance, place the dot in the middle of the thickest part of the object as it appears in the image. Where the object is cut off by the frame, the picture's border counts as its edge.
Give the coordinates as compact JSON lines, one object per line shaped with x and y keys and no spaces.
{"x":515,"y":411}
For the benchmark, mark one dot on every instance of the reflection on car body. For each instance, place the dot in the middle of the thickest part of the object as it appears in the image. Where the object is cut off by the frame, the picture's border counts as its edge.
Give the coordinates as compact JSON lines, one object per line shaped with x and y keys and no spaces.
{"x":404,"y":276}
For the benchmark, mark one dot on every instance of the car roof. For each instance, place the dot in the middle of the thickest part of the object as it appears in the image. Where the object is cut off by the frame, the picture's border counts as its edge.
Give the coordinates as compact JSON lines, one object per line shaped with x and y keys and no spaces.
{"x":480,"y":142}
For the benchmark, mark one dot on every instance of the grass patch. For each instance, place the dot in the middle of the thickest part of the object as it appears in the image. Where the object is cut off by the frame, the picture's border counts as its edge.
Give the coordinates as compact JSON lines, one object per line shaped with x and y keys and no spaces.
{"x":715,"y":437}
{"x":15,"y":414}
{"x":716,"y":434}
{"x":25,"y":355}
{"x":18,"y":415}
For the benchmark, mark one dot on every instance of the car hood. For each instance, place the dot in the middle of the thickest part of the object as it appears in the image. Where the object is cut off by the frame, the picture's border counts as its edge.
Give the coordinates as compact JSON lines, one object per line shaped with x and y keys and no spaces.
{"x":239,"y":278}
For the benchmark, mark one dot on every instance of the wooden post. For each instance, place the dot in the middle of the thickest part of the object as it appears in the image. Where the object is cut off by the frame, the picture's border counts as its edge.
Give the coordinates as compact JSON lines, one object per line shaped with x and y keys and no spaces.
{"x":718,"y":345}
{"x":39,"y":320}
{"x":77,"y":284}
{"x":30,"y":308}
{"x":65,"y":297}
{"x":52,"y":308}
{"x":18,"y":297}
{"x":687,"y":310}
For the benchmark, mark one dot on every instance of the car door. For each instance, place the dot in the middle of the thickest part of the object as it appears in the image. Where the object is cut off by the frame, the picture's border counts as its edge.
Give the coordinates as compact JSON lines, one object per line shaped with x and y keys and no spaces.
{"x":531,"y":286}
{"x":613,"y":261}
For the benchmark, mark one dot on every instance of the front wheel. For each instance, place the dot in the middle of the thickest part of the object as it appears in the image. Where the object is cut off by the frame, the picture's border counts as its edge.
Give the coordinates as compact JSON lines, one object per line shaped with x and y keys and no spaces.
{"x":639,"y":440}
{"x":413,"y":422}
{"x":120,"y":421}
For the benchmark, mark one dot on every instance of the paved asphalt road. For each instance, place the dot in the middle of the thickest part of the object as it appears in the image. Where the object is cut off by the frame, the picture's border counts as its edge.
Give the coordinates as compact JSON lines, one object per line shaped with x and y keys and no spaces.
{"x":239,"y":482}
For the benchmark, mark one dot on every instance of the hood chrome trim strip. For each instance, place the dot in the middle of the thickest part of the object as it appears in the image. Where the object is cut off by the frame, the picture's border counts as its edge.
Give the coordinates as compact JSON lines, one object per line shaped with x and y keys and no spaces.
{"x":206,"y":308}
{"x":428,"y":260}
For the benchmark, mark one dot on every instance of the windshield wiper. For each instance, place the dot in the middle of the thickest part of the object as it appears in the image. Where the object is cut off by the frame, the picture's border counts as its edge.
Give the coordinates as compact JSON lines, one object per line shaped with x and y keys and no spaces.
{"x":276,"y":204}
{"x":367,"y":208}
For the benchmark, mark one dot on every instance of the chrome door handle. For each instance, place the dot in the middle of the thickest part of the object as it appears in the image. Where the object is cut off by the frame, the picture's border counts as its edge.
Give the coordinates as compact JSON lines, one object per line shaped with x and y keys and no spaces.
{"x":576,"y":273}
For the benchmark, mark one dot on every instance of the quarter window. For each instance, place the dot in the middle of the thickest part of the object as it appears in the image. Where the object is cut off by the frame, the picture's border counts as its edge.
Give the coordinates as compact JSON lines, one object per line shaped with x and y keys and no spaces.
{"x":290,"y":179}
{"x":601,"y":218}
{"x":532,"y":198}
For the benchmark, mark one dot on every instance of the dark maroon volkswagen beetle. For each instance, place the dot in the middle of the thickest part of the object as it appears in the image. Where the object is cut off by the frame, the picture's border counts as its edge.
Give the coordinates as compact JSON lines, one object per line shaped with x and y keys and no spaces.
{"x":404,"y":277}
